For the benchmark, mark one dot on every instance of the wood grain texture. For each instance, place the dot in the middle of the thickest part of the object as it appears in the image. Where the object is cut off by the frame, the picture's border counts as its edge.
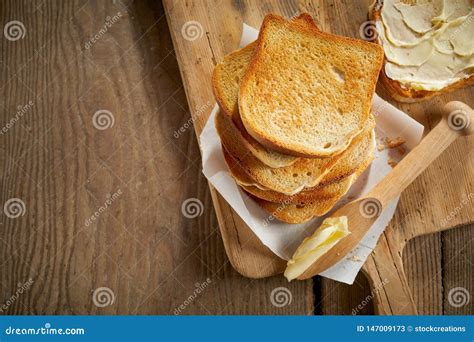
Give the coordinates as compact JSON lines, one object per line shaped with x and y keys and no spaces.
{"x":433,"y":203}
{"x":134,"y":176}
{"x":142,"y":247}
{"x":424,"y":206}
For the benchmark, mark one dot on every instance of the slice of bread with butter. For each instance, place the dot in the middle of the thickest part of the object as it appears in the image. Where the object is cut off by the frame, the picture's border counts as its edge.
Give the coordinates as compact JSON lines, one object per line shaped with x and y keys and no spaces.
{"x":428,"y":46}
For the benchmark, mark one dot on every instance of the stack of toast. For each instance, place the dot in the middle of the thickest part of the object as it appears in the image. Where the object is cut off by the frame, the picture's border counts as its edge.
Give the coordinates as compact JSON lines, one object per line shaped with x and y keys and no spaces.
{"x":294,"y":119}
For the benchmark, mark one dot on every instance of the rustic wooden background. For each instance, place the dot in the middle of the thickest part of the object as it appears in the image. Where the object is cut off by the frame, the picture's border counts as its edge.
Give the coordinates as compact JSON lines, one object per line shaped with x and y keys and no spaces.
{"x":151,"y":258}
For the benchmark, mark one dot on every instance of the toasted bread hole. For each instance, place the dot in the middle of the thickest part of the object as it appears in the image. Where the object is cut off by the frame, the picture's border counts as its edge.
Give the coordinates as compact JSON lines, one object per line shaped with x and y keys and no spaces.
{"x":327,"y":145}
{"x":339,"y":74}
{"x":309,"y":173}
{"x":299,"y":206}
{"x":295,"y":175}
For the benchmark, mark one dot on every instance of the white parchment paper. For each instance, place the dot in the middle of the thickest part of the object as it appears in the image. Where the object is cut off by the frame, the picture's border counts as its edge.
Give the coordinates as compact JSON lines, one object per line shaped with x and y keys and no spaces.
{"x":283,"y":238}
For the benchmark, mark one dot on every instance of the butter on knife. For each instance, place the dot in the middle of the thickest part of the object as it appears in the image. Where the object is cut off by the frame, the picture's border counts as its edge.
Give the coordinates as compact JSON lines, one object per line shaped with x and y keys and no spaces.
{"x":331,"y":231}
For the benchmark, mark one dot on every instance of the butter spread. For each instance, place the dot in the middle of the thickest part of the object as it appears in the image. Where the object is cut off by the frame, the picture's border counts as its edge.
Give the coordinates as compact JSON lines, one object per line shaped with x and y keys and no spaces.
{"x":428,"y":43}
{"x":331,"y":231}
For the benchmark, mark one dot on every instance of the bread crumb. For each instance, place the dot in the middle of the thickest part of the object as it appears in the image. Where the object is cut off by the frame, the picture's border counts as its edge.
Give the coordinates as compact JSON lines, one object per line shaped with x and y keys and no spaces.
{"x":392,"y":162}
{"x":380,"y":147}
{"x":392,"y":143}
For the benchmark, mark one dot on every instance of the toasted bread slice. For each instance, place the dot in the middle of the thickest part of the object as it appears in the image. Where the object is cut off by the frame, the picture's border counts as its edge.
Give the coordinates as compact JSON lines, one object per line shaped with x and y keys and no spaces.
{"x":328,"y":187}
{"x":301,"y":198}
{"x":295,"y":213}
{"x":288,"y":180}
{"x":292,"y":213}
{"x":226,"y":81}
{"x":402,"y":92}
{"x":225,"y":85}
{"x":306,"y":172}
{"x":409,"y":95}
{"x":360,"y":149}
{"x":228,"y":74}
{"x":307,"y":93}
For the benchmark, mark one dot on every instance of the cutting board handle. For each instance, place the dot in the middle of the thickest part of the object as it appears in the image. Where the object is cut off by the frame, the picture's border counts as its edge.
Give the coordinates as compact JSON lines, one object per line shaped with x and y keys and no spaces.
{"x":390,"y":292}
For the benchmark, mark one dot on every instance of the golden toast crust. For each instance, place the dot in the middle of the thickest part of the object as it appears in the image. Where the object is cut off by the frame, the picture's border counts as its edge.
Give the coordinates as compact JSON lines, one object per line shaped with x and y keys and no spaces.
{"x":294,"y":213}
{"x":306,"y":27}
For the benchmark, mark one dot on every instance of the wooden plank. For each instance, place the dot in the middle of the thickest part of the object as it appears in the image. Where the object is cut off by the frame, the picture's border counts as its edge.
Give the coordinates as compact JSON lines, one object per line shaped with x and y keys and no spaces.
{"x":457,"y":277}
{"x":342,"y":299}
{"x":64,"y":169}
{"x":197,"y":59}
{"x":423,"y":264}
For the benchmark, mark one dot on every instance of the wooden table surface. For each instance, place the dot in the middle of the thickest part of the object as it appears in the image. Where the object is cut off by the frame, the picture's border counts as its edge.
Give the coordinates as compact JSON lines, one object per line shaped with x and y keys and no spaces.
{"x":105,"y":209}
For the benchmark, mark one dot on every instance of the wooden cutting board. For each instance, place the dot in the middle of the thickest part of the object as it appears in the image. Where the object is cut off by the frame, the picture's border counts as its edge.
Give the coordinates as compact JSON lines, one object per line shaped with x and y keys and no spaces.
{"x":441,"y":198}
